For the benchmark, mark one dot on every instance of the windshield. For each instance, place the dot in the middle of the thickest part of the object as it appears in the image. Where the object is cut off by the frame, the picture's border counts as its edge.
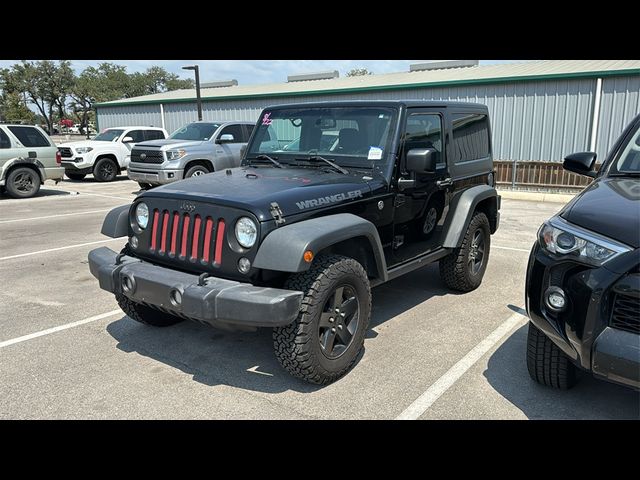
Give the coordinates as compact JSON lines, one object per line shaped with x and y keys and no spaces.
{"x":110,"y":135}
{"x":629,"y":161}
{"x":349,"y":136}
{"x":195,"y":131}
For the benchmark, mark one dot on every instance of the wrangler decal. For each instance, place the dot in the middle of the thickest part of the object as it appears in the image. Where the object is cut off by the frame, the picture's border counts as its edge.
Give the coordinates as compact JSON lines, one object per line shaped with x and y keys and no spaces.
{"x":338,"y":197}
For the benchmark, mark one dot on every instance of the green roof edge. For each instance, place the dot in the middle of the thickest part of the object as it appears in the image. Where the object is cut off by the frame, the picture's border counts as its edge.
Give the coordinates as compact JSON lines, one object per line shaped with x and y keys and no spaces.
{"x":336,"y":91}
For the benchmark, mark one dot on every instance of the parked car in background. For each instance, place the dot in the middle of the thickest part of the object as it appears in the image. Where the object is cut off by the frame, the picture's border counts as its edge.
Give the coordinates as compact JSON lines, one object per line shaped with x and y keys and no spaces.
{"x":28,"y":157}
{"x":107,"y":154}
{"x":583,"y":278}
{"x":195,"y":149}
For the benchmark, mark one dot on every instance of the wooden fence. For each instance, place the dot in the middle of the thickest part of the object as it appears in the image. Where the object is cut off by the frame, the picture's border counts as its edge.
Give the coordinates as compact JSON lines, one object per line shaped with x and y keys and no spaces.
{"x":537,"y":174}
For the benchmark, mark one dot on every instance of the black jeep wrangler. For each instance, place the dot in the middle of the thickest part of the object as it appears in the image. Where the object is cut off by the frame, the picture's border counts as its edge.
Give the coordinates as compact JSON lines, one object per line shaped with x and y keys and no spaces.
{"x":331,"y":199}
{"x":583,"y":277}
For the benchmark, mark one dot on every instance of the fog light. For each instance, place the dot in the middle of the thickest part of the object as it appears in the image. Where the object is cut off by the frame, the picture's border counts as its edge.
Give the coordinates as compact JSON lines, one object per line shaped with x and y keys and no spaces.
{"x":170,"y":175}
{"x":555,"y":299}
{"x":175,"y":297}
{"x":128,"y":284}
{"x":133,"y":241}
{"x":244,"y":265}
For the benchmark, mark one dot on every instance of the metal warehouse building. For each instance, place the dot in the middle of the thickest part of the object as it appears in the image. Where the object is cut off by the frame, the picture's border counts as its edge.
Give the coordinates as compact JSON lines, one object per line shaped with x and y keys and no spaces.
{"x":540,"y":111}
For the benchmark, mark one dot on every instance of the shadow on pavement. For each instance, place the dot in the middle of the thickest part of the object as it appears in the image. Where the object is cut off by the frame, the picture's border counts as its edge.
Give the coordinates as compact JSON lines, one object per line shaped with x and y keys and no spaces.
{"x":246,"y":360}
{"x":89,"y":179}
{"x":43,"y":192}
{"x":589,"y":399}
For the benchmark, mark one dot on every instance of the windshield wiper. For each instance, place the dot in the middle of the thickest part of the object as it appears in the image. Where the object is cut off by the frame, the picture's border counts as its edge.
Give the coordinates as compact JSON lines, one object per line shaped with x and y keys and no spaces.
{"x":315,"y":158}
{"x":262,"y":156}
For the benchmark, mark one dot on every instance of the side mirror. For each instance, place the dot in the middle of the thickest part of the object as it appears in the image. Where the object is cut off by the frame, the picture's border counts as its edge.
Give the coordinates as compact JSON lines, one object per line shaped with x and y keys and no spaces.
{"x":581,"y":163}
{"x":421,"y":160}
{"x":127,"y":140}
{"x":225,"y":138}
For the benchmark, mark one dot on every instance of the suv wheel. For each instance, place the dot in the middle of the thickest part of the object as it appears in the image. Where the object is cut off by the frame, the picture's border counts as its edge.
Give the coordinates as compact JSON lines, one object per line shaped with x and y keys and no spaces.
{"x":22,"y":182}
{"x":196,"y":171}
{"x":105,"y":170}
{"x":323,"y":343}
{"x":547,"y":364}
{"x":143,"y":314}
{"x":75,"y":176}
{"x":464,"y":268}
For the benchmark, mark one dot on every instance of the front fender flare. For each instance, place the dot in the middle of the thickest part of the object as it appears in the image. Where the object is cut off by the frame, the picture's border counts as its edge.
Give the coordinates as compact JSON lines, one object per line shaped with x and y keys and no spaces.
{"x":116,"y":223}
{"x":283,"y":249}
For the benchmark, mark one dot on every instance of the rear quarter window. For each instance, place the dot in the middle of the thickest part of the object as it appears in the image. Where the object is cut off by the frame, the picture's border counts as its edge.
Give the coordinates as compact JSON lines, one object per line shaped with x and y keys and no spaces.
{"x":4,"y":140}
{"x":470,"y":137}
{"x":29,"y":137}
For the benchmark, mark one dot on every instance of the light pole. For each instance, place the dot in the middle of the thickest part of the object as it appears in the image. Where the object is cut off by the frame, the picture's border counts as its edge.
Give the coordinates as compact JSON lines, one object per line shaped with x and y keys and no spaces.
{"x":198,"y":100}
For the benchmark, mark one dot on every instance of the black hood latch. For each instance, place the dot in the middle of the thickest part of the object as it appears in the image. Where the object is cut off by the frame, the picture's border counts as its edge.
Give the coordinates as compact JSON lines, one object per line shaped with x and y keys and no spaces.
{"x":276,"y":213}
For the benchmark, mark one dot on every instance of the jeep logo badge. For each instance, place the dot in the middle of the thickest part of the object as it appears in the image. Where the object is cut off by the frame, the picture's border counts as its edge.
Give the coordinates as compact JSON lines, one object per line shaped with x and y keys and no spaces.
{"x":143,"y":156}
{"x":187,"y":206}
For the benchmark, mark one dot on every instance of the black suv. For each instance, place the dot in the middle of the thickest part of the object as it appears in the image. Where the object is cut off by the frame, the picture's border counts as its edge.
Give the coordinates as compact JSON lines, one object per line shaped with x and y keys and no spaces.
{"x":583,"y":277}
{"x":295,"y":238}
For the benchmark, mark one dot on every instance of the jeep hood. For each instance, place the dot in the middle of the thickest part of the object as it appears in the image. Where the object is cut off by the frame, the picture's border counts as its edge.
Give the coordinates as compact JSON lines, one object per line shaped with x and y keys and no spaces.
{"x":170,"y":143}
{"x":296,"y":190}
{"x":609,"y":206}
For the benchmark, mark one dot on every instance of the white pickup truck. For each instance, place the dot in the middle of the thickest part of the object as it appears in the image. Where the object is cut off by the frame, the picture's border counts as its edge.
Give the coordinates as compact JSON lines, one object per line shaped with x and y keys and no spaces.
{"x":107,"y":154}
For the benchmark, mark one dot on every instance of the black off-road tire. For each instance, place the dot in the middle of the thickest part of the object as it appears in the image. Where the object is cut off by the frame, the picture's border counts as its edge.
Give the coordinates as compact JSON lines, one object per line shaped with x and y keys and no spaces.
{"x":147,"y":315}
{"x":455,"y":270}
{"x":297,"y":345}
{"x":196,"y":170}
{"x":547,"y":364}
{"x":75,"y":176}
{"x":22,"y":182}
{"x":105,"y":170}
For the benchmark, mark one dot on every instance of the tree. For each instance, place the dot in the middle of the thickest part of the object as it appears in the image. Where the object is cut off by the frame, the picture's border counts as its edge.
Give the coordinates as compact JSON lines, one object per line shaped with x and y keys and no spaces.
{"x":357,"y":72}
{"x":13,"y":108}
{"x":155,"y":80}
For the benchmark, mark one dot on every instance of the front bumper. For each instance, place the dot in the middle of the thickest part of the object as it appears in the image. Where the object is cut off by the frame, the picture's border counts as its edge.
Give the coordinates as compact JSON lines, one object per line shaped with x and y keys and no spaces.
{"x":584,"y":331}
{"x":215,"y":301}
{"x":154,"y":177}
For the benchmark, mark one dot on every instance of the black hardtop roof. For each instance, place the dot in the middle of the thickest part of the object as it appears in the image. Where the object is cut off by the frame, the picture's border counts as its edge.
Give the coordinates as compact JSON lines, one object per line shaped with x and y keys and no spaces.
{"x":385,"y":103}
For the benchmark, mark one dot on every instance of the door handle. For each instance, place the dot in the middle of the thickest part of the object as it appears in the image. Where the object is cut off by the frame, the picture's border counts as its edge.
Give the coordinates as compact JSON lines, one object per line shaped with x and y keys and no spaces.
{"x":444,"y":183}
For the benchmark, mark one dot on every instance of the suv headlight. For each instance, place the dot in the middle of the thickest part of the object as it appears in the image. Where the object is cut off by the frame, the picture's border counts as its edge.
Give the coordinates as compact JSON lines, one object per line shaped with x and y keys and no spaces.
{"x":142,"y":215}
{"x":175,"y":154}
{"x":246,"y":232}
{"x":563,"y":238}
{"x":81,"y":150}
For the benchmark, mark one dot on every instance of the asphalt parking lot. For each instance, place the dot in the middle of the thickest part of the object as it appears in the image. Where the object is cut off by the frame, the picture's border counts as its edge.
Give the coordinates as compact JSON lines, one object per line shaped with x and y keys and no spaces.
{"x":430,"y":353}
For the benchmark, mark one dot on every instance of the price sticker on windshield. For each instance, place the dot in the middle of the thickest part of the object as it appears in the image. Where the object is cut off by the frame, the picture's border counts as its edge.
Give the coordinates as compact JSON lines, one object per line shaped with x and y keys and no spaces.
{"x":375,"y":153}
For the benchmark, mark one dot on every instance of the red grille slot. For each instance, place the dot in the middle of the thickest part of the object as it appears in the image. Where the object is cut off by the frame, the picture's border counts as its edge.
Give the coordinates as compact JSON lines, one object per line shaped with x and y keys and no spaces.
{"x":196,"y":238}
{"x":185,"y":234}
{"x":154,"y":230}
{"x":208,"y":230}
{"x":165,"y":225}
{"x":217,"y":259}
{"x":174,"y":232}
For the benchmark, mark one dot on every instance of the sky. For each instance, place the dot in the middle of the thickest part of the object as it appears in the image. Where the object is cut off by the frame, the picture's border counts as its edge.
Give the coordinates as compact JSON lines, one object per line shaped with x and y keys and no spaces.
{"x":257,"y":71}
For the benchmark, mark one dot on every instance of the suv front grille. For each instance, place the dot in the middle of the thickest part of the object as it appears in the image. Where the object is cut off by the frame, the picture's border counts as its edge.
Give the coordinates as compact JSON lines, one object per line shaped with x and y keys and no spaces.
{"x":146,"y":156}
{"x":626,"y":313}
{"x":65,"y":152}
{"x":186,"y":237}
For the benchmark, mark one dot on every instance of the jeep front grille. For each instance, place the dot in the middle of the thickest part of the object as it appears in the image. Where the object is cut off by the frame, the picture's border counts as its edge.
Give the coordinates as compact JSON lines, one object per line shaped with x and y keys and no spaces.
{"x":146,"y":156}
{"x":65,"y":152}
{"x":188,"y":238}
{"x":626,"y":313}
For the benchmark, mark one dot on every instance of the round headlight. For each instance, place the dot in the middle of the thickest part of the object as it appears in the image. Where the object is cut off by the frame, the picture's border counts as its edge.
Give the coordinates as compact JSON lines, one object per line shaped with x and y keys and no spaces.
{"x":142,"y":215}
{"x":246,"y":232}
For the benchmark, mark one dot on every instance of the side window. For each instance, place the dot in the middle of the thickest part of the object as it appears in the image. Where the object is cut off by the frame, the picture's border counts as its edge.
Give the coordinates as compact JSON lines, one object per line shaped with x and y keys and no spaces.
{"x":236,"y":131}
{"x":4,"y":140}
{"x":470,"y":137}
{"x":137,"y":135}
{"x":248,"y":132}
{"x":29,"y":137}
{"x":424,"y":130}
{"x":153,"y":135}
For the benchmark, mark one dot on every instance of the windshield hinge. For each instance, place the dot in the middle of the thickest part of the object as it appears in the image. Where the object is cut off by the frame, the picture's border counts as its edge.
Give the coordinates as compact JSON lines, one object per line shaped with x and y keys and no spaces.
{"x":276,"y":213}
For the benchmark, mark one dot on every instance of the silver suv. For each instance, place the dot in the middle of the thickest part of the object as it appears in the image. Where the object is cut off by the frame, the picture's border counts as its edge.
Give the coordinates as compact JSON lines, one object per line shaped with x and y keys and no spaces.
{"x":195,"y":149}
{"x":28,"y":157}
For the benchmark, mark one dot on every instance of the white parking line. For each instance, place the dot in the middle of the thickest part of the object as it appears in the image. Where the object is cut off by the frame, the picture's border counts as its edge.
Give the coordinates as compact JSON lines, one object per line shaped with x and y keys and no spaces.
{"x":54,"y":216}
{"x":435,"y":391}
{"x":59,"y":248}
{"x":128,"y":199}
{"x":48,"y":331}
{"x":511,"y":248}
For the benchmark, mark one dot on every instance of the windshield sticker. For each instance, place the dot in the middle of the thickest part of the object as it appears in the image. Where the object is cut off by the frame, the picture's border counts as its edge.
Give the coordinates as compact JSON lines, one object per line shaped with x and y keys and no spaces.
{"x":375,"y":153}
{"x":266,"y":119}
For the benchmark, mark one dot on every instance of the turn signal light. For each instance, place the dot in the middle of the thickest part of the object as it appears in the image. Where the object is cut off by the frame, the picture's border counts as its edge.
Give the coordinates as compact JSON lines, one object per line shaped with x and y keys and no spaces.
{"x":308,"y":256}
